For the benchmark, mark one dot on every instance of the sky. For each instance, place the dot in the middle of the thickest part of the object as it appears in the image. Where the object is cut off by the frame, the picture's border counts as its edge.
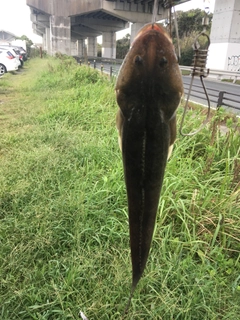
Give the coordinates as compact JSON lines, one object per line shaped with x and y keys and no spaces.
{"x":15,"y":17}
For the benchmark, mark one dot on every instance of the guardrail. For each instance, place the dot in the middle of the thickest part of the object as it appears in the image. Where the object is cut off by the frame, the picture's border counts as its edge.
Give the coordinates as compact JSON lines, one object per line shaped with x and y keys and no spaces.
{"x":218,"y":74}
{"x":217,"y":97}
{"x":225,"y":99}
{"x":108,"y":66}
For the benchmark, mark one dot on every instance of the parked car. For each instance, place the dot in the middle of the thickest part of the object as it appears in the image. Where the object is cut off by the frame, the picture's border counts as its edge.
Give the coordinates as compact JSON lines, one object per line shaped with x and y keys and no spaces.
{"x":22,"y":51}
{"x":20,"y":56}
{"x":8,"y":61}
{"x":14,"y":53}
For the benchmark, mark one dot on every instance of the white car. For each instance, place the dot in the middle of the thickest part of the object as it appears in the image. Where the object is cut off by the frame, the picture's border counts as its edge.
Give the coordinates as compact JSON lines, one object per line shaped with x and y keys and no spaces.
{"x":22,"y":51}
{"x":8,"y":62}
{"x":13,"y":53}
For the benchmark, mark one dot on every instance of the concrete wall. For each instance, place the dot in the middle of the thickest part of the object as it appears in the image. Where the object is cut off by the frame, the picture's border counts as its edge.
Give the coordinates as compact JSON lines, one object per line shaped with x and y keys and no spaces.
{"x":224,"y":52}
{"x":233,"y":57}
{"x":226,"y":21}
{"x":60,"y":34}
{"x":62,"y":18}
{"x":42,"y":5}
{"x":109,"y":45}
{"x":65,"y":7}
{"x":74,"y":48}
{"x":135,"y":27}
{"x":224,"y":56}
{"x":92,"y":47}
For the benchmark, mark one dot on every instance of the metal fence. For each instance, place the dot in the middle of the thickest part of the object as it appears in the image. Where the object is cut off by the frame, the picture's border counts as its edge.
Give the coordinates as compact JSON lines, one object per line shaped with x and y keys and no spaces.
{"x":217,"y":97}
{"x":226,"y":99}
{"x":108,"y":66}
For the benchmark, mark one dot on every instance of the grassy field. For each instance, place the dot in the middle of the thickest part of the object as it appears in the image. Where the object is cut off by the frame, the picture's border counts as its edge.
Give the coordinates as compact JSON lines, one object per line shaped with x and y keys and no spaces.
{"x":64,"y":244}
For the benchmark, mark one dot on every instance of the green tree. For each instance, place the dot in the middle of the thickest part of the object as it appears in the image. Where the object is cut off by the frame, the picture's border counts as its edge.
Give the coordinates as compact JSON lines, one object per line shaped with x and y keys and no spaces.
{"x":122,"y":46}
{"x":99,"y":50}
{"x":190,"y":21}
{"x":29,"y":43}
{"x":189,"y":27}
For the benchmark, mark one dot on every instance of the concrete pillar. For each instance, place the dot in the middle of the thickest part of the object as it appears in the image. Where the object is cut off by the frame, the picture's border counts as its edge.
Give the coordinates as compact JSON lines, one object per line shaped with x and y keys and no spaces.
{"x":109,"y":45}
{"x":224,"y":52}
{"x":47,"y":40}
{"x":80,"y":47}
{"x":60,"y":34}
{"x":74,"y":47}
{"x":92,"y":47}
{"x":135,"y":27}
{"x":44,"y":42}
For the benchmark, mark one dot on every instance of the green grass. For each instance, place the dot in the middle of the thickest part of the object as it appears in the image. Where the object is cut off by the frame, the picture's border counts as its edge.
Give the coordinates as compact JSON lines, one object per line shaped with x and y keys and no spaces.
{"x":231,"y":81}
{"x":64,"y":244}
{"x":185,"y":72}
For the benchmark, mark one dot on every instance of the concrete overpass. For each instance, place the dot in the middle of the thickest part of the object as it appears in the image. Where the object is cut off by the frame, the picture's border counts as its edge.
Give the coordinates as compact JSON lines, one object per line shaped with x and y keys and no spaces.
{"x":71,"y":26}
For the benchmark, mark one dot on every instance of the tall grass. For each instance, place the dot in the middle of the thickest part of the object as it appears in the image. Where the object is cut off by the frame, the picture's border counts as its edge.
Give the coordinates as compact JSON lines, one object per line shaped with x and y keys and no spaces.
{"x":64,"y":225}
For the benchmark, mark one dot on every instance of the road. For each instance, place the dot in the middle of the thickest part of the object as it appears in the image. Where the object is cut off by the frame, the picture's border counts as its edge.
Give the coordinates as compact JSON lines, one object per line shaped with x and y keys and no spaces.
{"x":231,"y":92}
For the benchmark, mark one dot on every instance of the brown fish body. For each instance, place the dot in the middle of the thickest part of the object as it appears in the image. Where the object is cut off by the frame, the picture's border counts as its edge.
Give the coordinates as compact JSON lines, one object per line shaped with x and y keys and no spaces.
{"x":149,"y":89}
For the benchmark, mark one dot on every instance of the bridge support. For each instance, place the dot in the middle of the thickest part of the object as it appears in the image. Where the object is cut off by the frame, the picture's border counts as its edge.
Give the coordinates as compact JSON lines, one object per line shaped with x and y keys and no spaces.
{"x":90,"y":18}
{"x":80,"y":46}
{"x":135,"y":27}
{"x":109,"y":45}
{"x":224,"y":52}
{"x":60,"y":31}
{"x":92,"y":47}
{"x":46,"y":39}
{"x":74,"y":47}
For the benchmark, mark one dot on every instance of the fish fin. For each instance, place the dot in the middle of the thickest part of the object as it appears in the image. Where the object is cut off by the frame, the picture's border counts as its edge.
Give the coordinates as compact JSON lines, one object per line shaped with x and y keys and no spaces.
{"x":170,"y":149}
{"x":129,"y":302}
{"x":173,"y":133}
{"x":119,"y":125}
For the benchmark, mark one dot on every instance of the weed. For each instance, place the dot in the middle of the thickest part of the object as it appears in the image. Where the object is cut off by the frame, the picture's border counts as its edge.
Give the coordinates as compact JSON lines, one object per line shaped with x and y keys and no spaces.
{"x":64,"y":225}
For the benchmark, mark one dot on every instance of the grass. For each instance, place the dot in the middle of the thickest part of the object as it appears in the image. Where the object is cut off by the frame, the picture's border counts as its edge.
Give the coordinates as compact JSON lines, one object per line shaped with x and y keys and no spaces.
{"x":231,"y":81}
{"x":64,"y":244}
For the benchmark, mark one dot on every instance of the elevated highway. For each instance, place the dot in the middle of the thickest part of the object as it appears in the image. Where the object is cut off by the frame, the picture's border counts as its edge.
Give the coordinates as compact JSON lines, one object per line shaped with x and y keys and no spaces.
{"x":71,"y":26}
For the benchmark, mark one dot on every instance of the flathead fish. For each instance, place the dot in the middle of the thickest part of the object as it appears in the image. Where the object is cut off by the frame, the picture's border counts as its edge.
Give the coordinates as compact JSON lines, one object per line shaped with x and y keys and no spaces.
{"x":148,"y":90}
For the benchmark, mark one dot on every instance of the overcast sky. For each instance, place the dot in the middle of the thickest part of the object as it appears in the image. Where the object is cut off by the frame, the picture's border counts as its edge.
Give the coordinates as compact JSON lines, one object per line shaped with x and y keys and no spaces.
{"x":15,"y":16}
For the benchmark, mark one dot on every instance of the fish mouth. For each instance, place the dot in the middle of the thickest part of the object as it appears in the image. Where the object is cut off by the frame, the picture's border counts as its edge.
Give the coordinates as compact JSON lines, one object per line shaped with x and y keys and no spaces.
{"x":153,"y":27}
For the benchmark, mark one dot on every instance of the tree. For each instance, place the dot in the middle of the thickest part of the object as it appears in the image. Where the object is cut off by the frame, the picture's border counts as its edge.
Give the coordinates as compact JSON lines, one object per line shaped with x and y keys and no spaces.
{"x":189,"y":26}
{"x":29,"y":43}
{"x":99,"y":50}
{"x":122,"y":47}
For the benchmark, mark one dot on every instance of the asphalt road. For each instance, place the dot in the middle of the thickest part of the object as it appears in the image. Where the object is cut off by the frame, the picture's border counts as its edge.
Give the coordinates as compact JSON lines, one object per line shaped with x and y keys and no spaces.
{"x":231,"y":95}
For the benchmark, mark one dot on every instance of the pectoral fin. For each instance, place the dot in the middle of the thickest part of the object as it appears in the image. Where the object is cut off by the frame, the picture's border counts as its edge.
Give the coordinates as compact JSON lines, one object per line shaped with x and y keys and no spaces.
{"x":119,"y":125}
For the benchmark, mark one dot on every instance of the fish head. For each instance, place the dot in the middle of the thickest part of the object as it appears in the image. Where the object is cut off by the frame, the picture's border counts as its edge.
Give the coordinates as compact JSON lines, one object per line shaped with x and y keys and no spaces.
{"x":150,"y":70}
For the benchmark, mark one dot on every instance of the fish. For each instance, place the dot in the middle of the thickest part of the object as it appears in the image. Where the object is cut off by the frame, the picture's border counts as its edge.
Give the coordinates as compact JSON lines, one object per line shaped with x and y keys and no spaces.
{"x":148,"y":91}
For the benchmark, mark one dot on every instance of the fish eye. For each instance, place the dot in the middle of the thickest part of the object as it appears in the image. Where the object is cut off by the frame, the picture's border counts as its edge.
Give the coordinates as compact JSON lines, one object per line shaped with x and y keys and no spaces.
{"x":163,"y":61}
{"x":138,"y":60}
